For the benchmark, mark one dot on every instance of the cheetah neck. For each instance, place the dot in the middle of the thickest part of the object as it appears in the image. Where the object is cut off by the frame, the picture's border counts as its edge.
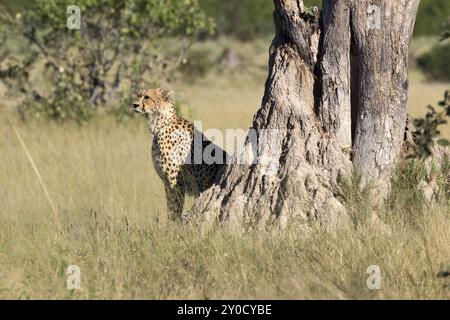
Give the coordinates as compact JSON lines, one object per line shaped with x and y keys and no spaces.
{"x":158,"y":121}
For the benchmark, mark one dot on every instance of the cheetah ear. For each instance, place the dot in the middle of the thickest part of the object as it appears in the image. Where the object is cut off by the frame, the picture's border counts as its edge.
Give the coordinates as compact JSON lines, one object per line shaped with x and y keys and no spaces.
{"x":170,"y":95}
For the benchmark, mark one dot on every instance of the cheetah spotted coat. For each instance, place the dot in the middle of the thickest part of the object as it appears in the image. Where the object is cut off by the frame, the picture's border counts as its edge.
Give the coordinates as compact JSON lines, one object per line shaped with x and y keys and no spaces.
{"x":179,"y":159}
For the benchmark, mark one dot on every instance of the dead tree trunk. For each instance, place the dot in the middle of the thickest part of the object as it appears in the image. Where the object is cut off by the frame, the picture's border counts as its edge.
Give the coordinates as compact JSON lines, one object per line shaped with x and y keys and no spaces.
{"x":382,"y":54}
{"x":337,"y":81}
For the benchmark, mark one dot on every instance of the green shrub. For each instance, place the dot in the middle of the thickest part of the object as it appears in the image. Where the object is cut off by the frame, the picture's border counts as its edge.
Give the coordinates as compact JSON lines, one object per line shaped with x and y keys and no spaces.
{"x":198,"y":63}
{"x":426,"y":129}
{"x":244,"y":20}
{"x":431,"y":16}
{"x":435,"y":63}
{"x":120,"y":47}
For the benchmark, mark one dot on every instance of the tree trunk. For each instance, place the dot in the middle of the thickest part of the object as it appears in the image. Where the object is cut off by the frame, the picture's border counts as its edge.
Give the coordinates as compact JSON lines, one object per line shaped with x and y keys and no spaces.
{"x":337,"y":80}
{"x":383,"y":86}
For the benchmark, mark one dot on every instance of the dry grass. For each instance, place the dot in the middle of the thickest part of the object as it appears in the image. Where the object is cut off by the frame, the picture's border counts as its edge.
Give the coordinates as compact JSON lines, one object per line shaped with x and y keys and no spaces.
{"x":113,"y":224}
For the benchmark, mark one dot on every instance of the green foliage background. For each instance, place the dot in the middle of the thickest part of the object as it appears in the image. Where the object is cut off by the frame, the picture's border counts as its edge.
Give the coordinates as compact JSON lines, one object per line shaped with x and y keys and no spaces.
{"x":249,"y":18}
{"x":246,"y":19}
{"x":431,"y":17}
{"x":121,"y":46}
{"x":436,"y":62}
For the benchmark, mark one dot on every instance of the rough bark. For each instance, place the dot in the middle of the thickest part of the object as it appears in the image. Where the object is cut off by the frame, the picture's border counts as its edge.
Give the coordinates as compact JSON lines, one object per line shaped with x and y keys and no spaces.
{"x":310,"y":161}
{"x":383,"y":88}
{"x":332,"y":81}
{"x":335,"y":70}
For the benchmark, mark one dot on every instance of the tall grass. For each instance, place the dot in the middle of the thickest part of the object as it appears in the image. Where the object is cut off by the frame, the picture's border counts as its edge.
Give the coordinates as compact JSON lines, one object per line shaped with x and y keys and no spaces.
{"x":113,"y":226}
{"x":112,"y":217}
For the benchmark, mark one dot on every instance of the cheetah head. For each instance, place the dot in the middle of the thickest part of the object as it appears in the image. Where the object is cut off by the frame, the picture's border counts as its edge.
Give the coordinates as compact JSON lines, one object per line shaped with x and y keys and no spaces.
{"x":154,"y":101}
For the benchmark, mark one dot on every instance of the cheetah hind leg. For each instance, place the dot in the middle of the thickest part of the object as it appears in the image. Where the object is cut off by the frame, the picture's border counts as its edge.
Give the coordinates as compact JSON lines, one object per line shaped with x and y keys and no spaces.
{"x":175,"y":201}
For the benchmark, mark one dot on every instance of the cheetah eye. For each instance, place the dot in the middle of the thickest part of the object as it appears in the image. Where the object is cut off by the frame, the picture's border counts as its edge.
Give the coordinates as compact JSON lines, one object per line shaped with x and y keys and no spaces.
{"x":146,"y":97}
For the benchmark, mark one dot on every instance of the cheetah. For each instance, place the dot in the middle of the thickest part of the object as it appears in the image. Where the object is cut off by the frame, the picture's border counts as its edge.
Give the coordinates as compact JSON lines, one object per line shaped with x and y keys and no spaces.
{"x":181,"y":154}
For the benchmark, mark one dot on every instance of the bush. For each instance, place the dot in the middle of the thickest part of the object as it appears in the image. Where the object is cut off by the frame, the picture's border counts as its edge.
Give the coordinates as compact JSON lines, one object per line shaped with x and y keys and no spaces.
{"x":251,"y":18}
{"x":431,"y":16}
{"x":436,"y":62}
{"x":244,"y":20}
{"x":120,"y":47}
{"x":426,"y":129}
{"x":198,"y":63}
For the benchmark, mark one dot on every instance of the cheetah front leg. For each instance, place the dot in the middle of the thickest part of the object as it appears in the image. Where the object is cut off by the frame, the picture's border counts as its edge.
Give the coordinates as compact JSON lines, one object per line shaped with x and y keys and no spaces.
{"x":175,"y":201}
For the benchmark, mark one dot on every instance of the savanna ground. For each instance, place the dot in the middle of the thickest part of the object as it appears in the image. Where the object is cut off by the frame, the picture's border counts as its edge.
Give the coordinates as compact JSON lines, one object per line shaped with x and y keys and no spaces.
{"x":111,"y":218}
